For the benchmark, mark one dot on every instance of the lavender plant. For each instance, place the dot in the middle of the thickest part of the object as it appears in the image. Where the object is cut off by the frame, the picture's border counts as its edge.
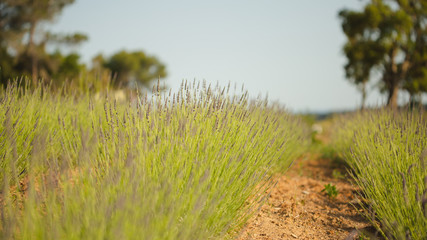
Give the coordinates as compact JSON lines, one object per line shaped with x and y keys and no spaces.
{"x":386,"y":151}
{"x":187,"y":165}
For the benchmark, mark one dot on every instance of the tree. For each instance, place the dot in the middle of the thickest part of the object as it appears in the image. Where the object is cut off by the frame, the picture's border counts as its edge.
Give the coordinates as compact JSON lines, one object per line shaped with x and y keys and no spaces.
{"x":387,"y":36}
{"x":416,"y":82}
{"x":362,"y":57}
{"x":6,"y":66}
{"x":23,"y":45}
{"x":11,"y":22}
{"x":51,"y":66}
{"x":21,"y":20}
{"x":133,"y":69}
{"x":10,"y":30}
{"x":68,"y":66}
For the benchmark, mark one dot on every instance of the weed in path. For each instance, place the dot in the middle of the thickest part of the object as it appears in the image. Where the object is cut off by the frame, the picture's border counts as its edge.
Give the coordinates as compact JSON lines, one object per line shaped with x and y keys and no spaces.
{"x":330,"y":190}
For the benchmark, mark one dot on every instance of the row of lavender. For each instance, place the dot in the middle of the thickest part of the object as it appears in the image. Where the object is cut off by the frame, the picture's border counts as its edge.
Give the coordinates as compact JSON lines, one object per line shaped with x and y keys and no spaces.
{"x":387,"y":152}
{"x":187,"y":165}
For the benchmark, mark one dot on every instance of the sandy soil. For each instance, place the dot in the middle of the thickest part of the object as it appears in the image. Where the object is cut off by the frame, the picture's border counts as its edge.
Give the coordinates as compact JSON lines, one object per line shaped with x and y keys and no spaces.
{"x":298,"y":209}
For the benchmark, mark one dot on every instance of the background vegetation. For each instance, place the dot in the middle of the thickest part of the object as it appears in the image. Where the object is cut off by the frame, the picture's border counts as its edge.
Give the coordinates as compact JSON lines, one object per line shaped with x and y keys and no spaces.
{"x":386,"y":46}
{"x":387,"y":40}
{"x":24,"y":45}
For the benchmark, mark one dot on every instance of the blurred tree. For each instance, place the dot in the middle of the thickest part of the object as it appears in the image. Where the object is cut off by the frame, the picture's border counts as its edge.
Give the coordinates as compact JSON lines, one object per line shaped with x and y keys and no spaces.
{"x":68,"y":67}
{"x":21,"y":36}
{"x":11,"y":22}
{"x":133,"y":69}
{"x":363,"y":57}
{"x":6,"y":66}
{"x":10,"y":31}
{"x":66,"y":39}
{"x":416,"y":82}
{"x":23,"y":50}
{"x":98,"y":62}
{"x":387,"y":35}
{"x":51,"y":66}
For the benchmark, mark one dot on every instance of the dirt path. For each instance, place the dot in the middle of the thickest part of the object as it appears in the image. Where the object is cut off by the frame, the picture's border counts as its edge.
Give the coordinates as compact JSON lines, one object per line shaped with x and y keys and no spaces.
{"x":298,"y":209}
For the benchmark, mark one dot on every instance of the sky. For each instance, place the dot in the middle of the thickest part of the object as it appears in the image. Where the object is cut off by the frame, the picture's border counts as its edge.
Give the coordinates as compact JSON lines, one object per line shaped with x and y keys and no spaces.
{"x":290,"y":50}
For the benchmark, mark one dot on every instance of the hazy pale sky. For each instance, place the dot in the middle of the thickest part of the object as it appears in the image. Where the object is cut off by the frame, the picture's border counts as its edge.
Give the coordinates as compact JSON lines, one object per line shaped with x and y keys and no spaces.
{"x":288,"y":49}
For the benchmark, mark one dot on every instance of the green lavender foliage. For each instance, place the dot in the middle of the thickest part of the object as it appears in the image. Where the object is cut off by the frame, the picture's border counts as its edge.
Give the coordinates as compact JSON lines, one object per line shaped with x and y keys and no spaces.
{"x":188,"y":165}
{"x":387,"y":152}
